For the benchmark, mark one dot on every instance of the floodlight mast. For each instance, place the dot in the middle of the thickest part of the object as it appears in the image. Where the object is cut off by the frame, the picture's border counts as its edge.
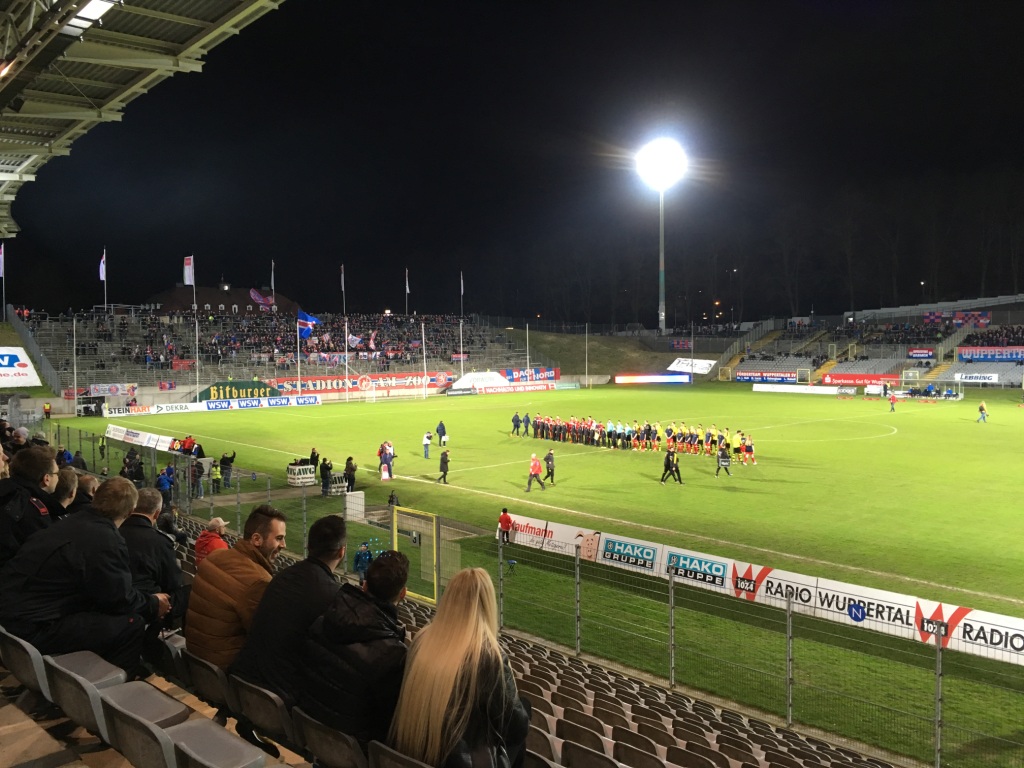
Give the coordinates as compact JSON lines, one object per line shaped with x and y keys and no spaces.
{"x":661,"y":164}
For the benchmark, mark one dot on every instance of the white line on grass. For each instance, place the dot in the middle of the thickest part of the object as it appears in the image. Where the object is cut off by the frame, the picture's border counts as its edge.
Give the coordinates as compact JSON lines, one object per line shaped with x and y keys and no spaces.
{"x":726,"y":542}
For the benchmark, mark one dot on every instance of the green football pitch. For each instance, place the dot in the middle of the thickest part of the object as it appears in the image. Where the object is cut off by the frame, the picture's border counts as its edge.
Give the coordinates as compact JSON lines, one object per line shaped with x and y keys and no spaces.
{"x":920,"y":501}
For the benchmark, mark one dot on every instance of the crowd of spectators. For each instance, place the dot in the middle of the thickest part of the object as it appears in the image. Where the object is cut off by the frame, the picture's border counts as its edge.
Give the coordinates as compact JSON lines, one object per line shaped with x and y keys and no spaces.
{"x":1004,"y":336}
{"x":167,"y":340}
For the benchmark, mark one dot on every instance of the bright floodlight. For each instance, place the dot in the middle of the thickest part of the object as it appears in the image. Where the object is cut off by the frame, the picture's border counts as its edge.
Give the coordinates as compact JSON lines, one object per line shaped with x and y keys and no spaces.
{"x":661,"y":163}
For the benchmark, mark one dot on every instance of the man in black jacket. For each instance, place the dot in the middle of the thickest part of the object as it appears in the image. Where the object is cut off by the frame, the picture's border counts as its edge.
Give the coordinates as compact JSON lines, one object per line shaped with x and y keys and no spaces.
{"x":69,"y":588}
{"x":151,"y":558}
{"x":351,"y":666}
{"x":27,"y":503}
{"x":227,"y":464}
{"x":293,"y":599}
{"x":87,"y":485}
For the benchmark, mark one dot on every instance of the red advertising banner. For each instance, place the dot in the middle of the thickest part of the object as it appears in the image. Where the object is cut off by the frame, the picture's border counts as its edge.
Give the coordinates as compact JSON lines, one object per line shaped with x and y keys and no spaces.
{"x":183,"y":365}
{"x":363,"y":383}
{"x":859,"y":379}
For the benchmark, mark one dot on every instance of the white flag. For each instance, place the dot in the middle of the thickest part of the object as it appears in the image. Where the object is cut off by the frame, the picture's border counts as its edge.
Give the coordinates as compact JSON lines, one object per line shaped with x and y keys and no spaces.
{"x":272,"y":275}
{"x":103,"y":266}
{"x":190,"y":274}
{"x":462,"y":285}
{"x":406,"y":282}
{"x":342,"y":278}
{"x":1,"y":259}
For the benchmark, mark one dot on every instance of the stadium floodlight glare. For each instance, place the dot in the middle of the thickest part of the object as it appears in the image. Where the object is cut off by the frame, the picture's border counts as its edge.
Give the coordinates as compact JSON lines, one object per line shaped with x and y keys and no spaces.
{"x":661,"y":164}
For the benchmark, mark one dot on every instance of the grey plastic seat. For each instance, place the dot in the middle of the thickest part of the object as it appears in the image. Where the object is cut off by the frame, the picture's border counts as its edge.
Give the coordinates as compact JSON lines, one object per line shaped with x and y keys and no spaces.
{"x":24,"y":661}
{"x":172,"y":660}
{"x":684,"y":758}
{"x":264,"y":709}
{"x":578,"y":734}
{"x":533,"y":760}
{"x":578,"y":756}
{"x":332,"y":748}
{"x":383,"y":756}
{"x":635,"y":758}
{"x":198,"y":743}
{"x":209,"y":682}
{"x":81,"y":699}
{"x":539,"y":741}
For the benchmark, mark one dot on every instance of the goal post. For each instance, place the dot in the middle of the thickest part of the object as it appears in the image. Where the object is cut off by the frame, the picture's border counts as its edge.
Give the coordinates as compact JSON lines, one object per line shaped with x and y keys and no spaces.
{"x":725,"y":374}
{"x":416,"y":534}
{"x":910,"y":377}
{"x":803,"y":375}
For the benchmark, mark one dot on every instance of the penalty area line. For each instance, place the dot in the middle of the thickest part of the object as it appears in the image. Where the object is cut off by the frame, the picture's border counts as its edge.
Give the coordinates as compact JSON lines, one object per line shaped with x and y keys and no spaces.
{"x":726,"y":542}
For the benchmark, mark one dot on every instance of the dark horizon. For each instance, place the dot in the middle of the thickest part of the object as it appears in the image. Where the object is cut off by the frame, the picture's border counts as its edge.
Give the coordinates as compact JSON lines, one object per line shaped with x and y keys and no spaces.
{"x":842,"y":154}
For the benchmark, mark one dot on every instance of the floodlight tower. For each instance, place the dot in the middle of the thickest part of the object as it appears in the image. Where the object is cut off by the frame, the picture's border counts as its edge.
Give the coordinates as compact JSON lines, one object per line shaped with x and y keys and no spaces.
{"x":661,"y":164}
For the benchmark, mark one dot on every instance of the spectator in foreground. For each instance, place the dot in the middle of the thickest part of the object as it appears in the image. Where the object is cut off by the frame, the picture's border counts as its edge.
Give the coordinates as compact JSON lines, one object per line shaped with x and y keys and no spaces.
{"x":293,"y":600}
{"x":27,"y":503}
{"x":211,"y":539}
{"x":87,"y":485}
{"x":151,"y":558}
{"x":229,"y":586}
{"x":350,"y":668}
{"x":70,"y":587}
{"x":64,"y":493}
{"x":458,"y":687}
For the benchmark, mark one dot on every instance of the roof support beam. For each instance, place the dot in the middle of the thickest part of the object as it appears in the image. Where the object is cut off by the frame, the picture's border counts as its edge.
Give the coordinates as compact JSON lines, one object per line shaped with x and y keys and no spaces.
{"x":50,"y":111}
{"x":16,"y":148}
{"x":15,"y":176}
{"x":87,"y":52}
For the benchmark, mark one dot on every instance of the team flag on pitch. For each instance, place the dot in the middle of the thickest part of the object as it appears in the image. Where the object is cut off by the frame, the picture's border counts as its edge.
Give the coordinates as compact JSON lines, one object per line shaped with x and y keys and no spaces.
{"x":306,"y":323}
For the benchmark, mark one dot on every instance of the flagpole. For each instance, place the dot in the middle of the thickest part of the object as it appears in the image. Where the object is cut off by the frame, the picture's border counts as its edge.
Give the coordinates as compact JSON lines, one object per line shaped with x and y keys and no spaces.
{"x":74,"y":358}
{"x":346,"y":355}
{"x":344,"y":309}
{"x":407,"y":291}
{"x":586,"y":352}
{"x":423,"y":340}
{"x":195,"y":303}
{"x":298,"y":355}
{"x":527,"y":345}
{"x":462,"y":353}
{"x":106,"y":304}
{"x":3,"y":277}
{"x":462,"y":294}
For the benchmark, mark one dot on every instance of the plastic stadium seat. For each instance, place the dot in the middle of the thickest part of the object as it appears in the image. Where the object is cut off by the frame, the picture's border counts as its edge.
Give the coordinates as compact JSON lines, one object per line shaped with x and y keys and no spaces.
{"x":657,"y":734}
{"x":567,"y":702}
{"x":539,"y":741}
{"x":587,"y":721}
{"x":648,"y":712}
{"x":609,"y":717}
{"x":532,"y":688}
{"x":572,"y":689}
{"x":545,"y":722}
{"x":691,"y":738}
{"x":533,"y":760}
{"x":575,"y":755}
{"x":635,"y":758}
{"x":541,"y":703}
{"x":82,"y":700}
{"x":24,"y":661}
{"x":713,"y":755}
{"x":578,"y":734}
{"x":383,"y":756}
{"x":808,"y":755}
{"x":332,"y":748}
{"x":264,"y":709}
{"x":172,"y":663}
{"x":739,"y":742}
{"x":632,"y":738}
{"x":782,"y":759}
{"x":541,"y":681}
{"x":695,"y":721}
{"x":735,"y":753}
{"x":609,"y":702}
{"x":684,"y":758}
{"x":198,"y":743}
{"x":210,"y":683}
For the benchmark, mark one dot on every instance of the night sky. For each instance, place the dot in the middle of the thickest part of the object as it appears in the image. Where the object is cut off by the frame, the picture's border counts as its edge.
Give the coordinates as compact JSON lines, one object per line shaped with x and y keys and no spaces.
{"x":841,"y":153}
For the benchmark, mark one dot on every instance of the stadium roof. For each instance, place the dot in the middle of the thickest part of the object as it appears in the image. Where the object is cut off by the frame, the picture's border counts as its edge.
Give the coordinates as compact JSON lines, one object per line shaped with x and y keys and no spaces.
{"x":69,"y":65}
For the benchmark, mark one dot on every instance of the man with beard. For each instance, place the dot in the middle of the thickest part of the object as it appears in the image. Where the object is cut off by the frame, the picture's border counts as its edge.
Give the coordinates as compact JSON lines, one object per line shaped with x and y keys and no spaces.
{"x":27,"y":503}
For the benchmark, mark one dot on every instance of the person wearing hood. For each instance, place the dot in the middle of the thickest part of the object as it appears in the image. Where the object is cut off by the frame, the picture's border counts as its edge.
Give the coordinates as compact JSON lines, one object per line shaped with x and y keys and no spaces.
{"x":211,"y":539}
{"x":351,"y":666}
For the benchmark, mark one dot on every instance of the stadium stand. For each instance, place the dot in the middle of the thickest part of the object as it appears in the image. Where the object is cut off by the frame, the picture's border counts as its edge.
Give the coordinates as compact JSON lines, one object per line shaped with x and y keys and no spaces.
{"x":583,"y":713}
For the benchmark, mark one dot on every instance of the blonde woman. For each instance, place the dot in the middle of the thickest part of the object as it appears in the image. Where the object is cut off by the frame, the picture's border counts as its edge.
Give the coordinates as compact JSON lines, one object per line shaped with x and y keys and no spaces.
{"x":459,"y":704}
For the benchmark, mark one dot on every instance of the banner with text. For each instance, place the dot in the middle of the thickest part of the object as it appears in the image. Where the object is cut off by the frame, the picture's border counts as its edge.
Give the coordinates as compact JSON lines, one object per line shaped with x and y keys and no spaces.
{"x":990,"y":354}
{"x":957,"y":627}
{"x":16,"y":369}
{"x":365,"y":382}
{"x":921,"y":353}
{"x":113,"y":390}
{"x":859,"y":379}
{"x":981,"y":378}
{"x":517,"y":375}
{"x":240,"y":404}
{"x":773,"y":377}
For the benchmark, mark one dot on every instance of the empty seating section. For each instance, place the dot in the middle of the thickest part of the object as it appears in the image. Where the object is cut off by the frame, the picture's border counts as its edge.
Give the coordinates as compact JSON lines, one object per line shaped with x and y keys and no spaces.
{"x":588,"y":715}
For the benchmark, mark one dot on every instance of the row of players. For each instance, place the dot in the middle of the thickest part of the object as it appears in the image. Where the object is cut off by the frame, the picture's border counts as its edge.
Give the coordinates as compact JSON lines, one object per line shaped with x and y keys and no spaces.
{"x":694,"y":440}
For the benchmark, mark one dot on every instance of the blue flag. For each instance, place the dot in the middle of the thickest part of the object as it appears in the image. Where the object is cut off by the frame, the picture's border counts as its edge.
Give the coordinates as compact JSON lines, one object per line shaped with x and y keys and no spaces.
{"x":306,"y":323}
